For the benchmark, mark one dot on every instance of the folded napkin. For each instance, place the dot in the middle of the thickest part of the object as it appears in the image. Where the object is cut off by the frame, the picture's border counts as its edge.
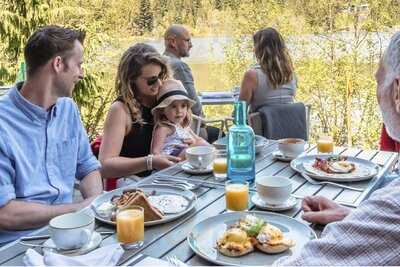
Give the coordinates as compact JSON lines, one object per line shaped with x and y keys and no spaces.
{"x":217,"y":95}
{"x":107,"y":255}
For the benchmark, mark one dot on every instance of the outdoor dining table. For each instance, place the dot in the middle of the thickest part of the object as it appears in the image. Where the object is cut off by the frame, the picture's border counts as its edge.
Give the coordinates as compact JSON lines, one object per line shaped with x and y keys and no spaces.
{"x":169,"y":239}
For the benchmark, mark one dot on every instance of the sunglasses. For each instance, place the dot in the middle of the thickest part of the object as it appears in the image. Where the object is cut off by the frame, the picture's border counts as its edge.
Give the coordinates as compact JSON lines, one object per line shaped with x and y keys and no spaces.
{"x":153,"y":79}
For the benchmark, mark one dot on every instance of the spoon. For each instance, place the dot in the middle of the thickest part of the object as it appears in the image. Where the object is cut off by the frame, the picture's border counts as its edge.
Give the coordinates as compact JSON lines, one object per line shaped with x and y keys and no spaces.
{"x":64,"y":251}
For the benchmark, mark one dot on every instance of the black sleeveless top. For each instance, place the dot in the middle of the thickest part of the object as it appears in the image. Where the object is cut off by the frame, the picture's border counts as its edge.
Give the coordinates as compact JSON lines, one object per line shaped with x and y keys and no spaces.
{"x":138,"y":141}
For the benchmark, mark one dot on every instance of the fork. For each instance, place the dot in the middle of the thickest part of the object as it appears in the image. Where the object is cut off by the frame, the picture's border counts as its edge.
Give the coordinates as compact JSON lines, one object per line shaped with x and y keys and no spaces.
{"x":182,"y":184}
{"x":312,"y":181}
{"x":175,"y":261}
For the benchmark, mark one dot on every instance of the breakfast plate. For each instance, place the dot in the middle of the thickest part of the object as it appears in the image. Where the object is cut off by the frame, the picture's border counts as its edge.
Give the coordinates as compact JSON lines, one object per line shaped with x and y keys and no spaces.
{"x":192,"y":170}
{"x":345,"y":169}
{"x":157,"y":197}
{"x":261,"y":142}
{"x":202,"y":239}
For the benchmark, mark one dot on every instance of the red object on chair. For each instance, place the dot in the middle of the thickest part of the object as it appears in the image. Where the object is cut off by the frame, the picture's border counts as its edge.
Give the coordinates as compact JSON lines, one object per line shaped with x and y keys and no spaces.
{"x":387,"y":143}
{"x":110,"y":183}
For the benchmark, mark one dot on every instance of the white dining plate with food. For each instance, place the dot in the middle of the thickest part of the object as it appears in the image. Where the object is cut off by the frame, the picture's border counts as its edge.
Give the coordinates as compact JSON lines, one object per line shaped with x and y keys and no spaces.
{"x":161,"y":203}
{"x":335,"y":168}
{"x":252,"y":238}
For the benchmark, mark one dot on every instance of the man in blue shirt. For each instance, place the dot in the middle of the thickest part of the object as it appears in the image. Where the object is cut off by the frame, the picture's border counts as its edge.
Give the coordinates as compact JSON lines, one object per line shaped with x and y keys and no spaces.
{"x":43,"y":144}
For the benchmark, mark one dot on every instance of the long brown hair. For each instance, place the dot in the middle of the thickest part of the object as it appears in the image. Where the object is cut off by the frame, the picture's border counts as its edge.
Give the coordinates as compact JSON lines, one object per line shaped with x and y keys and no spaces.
{"x":273,"y":56}
{"x":130,"y":68}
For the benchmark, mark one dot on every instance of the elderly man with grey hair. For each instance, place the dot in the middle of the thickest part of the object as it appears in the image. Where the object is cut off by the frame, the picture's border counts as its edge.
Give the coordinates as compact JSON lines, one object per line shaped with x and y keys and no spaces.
{"x":177,"y":45}
{"x":369,"y":235}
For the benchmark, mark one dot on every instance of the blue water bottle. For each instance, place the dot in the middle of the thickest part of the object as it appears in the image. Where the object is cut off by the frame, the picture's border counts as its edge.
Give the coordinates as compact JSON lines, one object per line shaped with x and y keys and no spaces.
{"x":241,"y":147}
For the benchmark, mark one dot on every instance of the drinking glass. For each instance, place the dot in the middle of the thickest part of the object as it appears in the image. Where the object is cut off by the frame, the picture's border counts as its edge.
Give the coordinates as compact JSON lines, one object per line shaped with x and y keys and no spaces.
{"x":130,"y":226}
{"x":236,"y":195}
{"x":220,"y":165}
{"x":325,"y":144}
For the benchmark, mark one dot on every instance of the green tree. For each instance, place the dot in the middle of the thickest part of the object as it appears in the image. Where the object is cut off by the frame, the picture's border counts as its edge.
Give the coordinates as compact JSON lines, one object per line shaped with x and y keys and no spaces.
{"x":19,"y":19}
{"x":144,"y":22}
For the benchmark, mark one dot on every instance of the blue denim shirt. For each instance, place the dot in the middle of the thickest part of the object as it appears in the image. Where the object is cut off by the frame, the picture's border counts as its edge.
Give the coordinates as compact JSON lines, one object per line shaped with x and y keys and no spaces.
{"x":41,"y":153}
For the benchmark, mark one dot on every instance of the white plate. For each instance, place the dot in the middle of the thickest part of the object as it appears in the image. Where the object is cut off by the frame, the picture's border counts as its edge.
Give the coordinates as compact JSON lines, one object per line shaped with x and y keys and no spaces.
{"x":366,"y":169}
{"x":148,"y":188}
{"x":289,"y":204}
{"x":192,"y":170}
{"x":93,"y":244}
{"x":203,"y":237}
{"x":279,"y":156}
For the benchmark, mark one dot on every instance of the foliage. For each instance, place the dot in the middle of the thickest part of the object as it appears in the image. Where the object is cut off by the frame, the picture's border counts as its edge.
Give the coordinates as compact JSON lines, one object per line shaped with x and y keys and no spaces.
{"x":19,"y":19}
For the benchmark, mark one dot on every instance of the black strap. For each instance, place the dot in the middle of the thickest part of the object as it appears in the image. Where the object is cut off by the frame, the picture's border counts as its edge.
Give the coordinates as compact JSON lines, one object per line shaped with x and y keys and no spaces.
{"x":171,"y":93}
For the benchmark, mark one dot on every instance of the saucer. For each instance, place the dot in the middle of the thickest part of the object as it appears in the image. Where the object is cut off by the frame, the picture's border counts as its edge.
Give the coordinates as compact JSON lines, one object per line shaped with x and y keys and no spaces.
{"x":290,"y":203}
{"x":279,"y":156}
{"x":93,"y":244}
{"x":192,"y":170}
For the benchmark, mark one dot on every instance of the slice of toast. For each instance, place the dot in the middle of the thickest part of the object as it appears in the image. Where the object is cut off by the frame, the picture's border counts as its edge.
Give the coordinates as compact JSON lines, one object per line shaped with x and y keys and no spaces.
{"x":150,"y":213}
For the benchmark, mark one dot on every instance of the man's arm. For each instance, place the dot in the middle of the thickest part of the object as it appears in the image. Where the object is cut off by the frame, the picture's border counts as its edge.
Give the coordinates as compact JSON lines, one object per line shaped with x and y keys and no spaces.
{"x":91,"y":185}
{"x":183,"y":73}
{"x":21,"y":215}
{"x":367,"y":236}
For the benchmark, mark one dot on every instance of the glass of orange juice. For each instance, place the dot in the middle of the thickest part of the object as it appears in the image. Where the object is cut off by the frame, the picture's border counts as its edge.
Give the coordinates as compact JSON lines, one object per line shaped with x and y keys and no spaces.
{"x":236,"y":195}
{"x":325,"y":144}
{"x":220,"y":165}
{"x":130,"y":226}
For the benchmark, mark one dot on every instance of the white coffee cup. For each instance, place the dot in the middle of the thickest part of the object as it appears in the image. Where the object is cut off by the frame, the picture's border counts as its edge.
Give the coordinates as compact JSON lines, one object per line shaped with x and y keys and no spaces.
{"x":291,"y":147}
{"x":200,"y":156}
{"x":71,"y":230}
{"x":273,"y":190}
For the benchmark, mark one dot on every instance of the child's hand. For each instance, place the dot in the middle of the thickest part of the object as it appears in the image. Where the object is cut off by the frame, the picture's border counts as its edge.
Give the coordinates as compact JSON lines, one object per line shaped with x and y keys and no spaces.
{"x":188,"y":141}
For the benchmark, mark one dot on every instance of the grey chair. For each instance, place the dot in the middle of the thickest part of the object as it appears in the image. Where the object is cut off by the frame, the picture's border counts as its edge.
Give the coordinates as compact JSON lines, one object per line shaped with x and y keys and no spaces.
{"x":282,"y":121}
{"x":256,"y":119}
{"x":200,"y":131}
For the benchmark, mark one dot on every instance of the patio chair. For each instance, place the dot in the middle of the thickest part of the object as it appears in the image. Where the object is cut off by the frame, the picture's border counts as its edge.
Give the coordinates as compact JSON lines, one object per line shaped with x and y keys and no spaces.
{"x":258,"y":121}
{"x":197,"y":122}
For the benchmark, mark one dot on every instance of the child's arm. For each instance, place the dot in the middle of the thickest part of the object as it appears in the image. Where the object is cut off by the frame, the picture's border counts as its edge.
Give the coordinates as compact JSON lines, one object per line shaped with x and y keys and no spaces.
{"x":160,"y":134}
{"x":197,"y":140}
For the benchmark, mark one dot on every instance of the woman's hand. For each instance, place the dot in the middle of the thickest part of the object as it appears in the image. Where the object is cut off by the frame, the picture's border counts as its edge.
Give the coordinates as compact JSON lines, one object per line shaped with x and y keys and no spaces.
{"x":164,"y":161}
{"x":321,"y":210}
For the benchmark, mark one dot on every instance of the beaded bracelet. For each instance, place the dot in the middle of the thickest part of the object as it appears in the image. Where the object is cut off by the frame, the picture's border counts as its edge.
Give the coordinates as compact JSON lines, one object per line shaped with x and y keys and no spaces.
{"x":149,"y":162}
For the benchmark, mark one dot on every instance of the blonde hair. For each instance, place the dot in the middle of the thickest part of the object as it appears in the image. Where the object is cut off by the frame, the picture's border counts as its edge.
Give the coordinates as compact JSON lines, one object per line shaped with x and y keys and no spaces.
{"x":161,"y":120}
{"x":130,"y":68}
{"x":273,"y":57}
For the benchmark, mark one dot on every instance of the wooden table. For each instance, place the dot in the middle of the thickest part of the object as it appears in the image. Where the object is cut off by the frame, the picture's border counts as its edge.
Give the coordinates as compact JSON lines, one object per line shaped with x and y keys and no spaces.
{"x":170,"y":238}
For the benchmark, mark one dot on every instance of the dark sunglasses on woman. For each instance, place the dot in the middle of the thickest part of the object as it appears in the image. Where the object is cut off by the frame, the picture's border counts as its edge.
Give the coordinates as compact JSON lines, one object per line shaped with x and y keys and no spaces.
{"x":153,"y":79}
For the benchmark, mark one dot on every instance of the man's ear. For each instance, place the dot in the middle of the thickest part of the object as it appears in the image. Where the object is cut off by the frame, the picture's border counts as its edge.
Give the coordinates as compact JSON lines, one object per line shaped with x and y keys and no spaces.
{"x":172,"y":41}
{"x":396,"y":91}
{"x":57,"y":64}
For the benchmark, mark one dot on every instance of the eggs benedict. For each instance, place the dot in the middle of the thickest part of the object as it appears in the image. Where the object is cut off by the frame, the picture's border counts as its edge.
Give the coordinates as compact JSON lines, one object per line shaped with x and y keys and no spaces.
{"x":270,"y":240}
{"x":234,"y":243}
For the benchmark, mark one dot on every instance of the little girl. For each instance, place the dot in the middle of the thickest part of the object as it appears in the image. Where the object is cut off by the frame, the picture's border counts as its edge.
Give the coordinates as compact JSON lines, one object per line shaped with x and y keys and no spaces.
{"x":172,"y":117}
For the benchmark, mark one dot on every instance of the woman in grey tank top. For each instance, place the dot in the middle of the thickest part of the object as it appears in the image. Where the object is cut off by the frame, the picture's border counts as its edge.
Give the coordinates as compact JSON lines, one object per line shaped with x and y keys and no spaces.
{"x":273,"y":80}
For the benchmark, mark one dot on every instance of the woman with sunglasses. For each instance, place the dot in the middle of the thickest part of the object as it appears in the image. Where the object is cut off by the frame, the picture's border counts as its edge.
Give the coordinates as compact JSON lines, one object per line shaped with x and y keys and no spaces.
{"x":125,"y":147}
